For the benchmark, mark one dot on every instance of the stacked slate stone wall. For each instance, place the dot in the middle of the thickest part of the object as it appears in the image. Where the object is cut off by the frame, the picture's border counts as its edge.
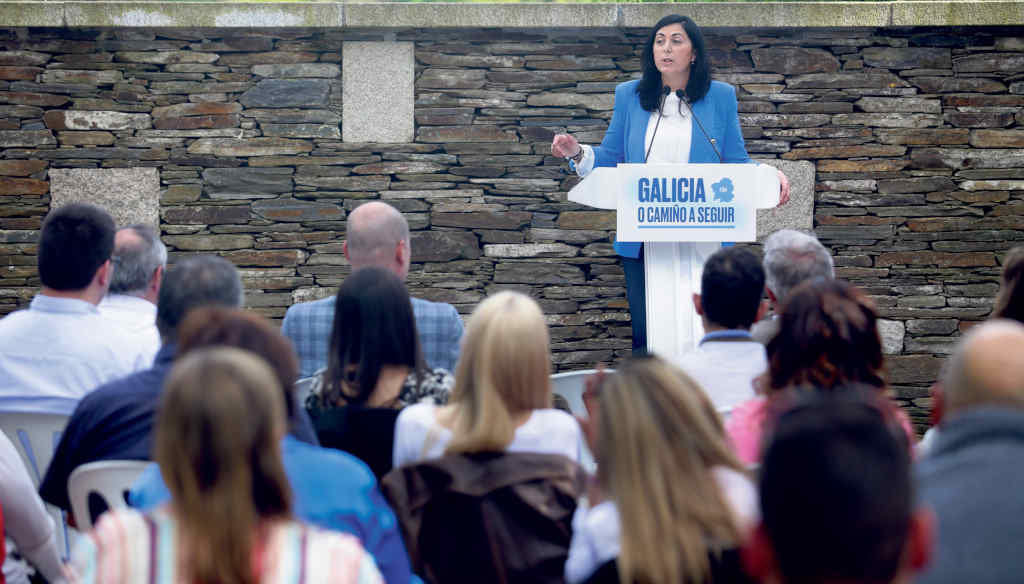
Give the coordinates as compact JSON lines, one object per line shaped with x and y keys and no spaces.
{"x":915,"y":134}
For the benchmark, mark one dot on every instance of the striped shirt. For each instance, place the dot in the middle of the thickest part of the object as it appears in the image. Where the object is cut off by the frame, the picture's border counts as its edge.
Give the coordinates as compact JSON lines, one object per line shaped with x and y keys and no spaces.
{"x":128,"y":547}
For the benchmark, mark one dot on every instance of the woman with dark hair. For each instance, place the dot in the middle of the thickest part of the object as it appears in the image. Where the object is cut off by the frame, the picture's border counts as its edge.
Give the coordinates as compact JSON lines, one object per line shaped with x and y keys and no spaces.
{"x":374,"y":368}
{"x":230,"y":516}
{"x":828,"y":340}
{"x":1010,"y":300}
{"x":674,"y":114}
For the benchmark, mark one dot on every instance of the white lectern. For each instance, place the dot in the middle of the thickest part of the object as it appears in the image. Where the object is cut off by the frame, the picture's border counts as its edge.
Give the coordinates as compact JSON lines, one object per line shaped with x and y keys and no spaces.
{"x":682,"y":212}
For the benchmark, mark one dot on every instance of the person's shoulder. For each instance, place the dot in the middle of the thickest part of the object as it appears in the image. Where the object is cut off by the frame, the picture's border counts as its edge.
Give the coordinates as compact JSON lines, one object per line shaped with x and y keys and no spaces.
{"x":627,"y":86}
{"x":328,"y":461}
{"x":721,"y":90}
{"x":555,"y":421}
{"x":423,"y":306}
{"x":311,"y":307}
{"x":420,"y":414}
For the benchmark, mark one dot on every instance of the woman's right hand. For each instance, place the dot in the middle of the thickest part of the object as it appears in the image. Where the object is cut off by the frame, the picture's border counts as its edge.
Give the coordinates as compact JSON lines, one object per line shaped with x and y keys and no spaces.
{"x":564,"y":146}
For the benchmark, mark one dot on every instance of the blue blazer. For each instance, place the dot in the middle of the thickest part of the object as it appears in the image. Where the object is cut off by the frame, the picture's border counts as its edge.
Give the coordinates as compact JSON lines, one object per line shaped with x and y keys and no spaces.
{"x":624,"y":140}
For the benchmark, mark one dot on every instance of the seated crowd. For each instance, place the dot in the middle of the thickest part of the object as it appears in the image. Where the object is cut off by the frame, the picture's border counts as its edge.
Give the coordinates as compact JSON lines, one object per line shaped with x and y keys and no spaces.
{"x":372,"y":438}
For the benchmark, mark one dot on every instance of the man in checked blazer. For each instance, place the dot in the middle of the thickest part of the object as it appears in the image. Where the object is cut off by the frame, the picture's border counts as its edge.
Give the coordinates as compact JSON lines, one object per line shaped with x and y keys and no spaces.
{"x":377,"y":235}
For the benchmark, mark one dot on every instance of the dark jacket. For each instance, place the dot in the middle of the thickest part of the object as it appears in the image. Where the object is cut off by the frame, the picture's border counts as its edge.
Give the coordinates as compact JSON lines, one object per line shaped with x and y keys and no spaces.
{"x":726,"y":568}
{"x":499,"y":518}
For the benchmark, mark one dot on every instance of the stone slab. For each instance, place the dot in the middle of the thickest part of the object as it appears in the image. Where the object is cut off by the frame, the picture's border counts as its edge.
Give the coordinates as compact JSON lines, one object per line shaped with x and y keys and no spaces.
{"x":131,"y":195}
{"x":798,"y":213}
{"x":378,"y":93}
{"x":187,"y":14}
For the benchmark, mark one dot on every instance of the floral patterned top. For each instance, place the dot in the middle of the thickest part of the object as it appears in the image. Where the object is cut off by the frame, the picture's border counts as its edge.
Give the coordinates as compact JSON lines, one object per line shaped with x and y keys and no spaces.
{"x":435,"y":386}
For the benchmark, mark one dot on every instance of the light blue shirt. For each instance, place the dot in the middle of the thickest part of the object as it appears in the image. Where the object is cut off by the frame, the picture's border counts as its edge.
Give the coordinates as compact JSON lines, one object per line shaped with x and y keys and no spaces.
{"x":58,"y":350}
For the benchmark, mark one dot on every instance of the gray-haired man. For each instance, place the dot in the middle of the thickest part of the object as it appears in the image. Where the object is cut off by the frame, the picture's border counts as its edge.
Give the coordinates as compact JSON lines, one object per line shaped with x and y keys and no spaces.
{"x":141,"y":259}
{"x":790,"y":258}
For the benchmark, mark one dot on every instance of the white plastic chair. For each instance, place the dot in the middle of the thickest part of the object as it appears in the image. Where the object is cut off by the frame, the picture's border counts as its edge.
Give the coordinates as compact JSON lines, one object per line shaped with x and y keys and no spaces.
{"x":110,"y":479}
{"x":301,"y":390}
{"x":35,"y":435}
{"x":570,"y":386}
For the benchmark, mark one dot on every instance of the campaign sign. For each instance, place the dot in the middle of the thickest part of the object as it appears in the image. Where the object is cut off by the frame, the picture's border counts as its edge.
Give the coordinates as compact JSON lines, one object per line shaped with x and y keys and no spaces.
{"x":687,"y":202}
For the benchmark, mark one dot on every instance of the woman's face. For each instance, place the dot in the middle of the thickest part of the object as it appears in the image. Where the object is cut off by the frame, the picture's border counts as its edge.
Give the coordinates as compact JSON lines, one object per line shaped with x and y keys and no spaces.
{"x":673,"y":51}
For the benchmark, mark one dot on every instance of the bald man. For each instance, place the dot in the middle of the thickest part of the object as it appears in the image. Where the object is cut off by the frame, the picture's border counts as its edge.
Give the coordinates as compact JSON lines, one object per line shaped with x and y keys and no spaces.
{"x":974,"y":472}
{"x":378,"y":235}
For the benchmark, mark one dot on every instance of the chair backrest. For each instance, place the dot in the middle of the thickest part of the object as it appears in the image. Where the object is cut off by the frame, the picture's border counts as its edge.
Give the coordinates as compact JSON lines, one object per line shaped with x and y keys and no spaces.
{"x":570,"y":386}
{"x":36,"y":436}
{"x":302,"y":389}
{"x":110,"y":479}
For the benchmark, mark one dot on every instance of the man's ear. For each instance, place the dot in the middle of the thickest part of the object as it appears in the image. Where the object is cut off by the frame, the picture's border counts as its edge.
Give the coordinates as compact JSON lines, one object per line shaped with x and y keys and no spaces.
{"x":104,"y":273}
{"x":344,"y":250}
{"x":771,"y":296}
{"x":156,"y":280}
{"x":759,"y":556}
{"x":697,"y":305}
{"x":920,"y":539}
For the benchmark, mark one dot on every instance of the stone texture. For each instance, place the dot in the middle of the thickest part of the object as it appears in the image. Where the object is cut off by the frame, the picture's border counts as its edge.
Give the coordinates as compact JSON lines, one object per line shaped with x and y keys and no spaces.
{"x":165,"y":57}
{"x":907,"y":57}
{"x":798,"y":213}
{"x":323,"y":131}
{"x":891,"y":333}
{"x":206,"y":214}
{"x":30,"y":138}
{"x":272,"y":93}
{"x":206,"y":243}
{"x":443,"y":246}
{"x":378,"y":93}
{"x":794,"y":60}
{"x":20,"y":167}
{"x":250,"y":147}
{"x":291,"y":71}
{"x":130,"y":195}
{"x":96,"y":120}
{"x":182,"y":110}
{"x":289,"y":210}
{"x":227,"y":183}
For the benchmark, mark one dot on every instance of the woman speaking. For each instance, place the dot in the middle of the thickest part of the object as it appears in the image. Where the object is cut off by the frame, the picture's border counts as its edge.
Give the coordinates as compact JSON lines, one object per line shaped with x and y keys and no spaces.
{"x":675,"y":113}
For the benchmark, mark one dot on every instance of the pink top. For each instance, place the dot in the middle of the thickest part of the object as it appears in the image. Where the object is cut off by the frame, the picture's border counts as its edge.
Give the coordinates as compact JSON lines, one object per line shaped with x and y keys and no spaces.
{"x":746,"y":423}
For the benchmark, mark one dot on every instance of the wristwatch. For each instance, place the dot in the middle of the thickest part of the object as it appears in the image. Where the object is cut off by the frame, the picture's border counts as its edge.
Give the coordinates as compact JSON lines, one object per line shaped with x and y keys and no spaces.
{"x":578,"y":156}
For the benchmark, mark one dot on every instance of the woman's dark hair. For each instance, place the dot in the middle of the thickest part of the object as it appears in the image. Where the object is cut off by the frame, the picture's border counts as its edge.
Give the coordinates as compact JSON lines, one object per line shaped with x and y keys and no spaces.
{"x":649,"y":88}
{"x":828,"y":338}
{"x":373,"y":326}
{"x":1010,"y":300}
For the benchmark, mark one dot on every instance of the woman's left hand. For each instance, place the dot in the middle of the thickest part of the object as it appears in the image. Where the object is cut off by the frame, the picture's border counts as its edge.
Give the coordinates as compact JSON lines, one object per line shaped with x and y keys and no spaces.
{"x":783,"y":188}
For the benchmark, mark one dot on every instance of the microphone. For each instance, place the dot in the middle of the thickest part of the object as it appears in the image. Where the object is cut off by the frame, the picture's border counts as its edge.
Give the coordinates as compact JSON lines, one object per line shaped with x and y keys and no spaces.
{"x":665,"y":90}
{"x":683,"y":99}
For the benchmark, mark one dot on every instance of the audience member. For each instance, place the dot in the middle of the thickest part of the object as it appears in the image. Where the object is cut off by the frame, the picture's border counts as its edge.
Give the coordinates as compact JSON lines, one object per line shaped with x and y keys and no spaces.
{"x":502,"y":396}
{"x":969,"y":476}
{"x":116,"y":420}
{"x":790,"y":258}
{"x":828,"y":339}
{"x":1010,"y":300}
{"x":679,"y":503}
{"x":727,"y":360}
{"x":230,"y":515}
{"x":837,"y":498}
{"x":378,"y":235}
{"x":26,"y":523}
{"x":60,"y":348}
{"x":332,"y":489}
{"x":140,"y":259}
{"x":494,"y":485}
{"x":374,"y":368}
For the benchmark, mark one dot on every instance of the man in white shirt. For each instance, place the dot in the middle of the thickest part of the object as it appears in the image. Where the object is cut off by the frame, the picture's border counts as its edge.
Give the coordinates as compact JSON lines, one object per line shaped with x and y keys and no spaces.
{"x":790,"y":259}
{"x":141,"y":259}
{"x":727,"y":360}
{"x":60,"y":348}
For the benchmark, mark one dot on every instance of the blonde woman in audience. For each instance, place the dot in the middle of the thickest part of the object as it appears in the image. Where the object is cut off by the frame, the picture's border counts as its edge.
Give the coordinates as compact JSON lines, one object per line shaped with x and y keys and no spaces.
{"x":671,"y":502}
{"x":502,"y":396}
{"x":485,"y":487}
{"x":230,"y":518}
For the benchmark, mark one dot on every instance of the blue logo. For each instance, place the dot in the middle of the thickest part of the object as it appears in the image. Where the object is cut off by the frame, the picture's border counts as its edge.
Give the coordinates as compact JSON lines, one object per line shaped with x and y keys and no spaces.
{"x":723,"y":190}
